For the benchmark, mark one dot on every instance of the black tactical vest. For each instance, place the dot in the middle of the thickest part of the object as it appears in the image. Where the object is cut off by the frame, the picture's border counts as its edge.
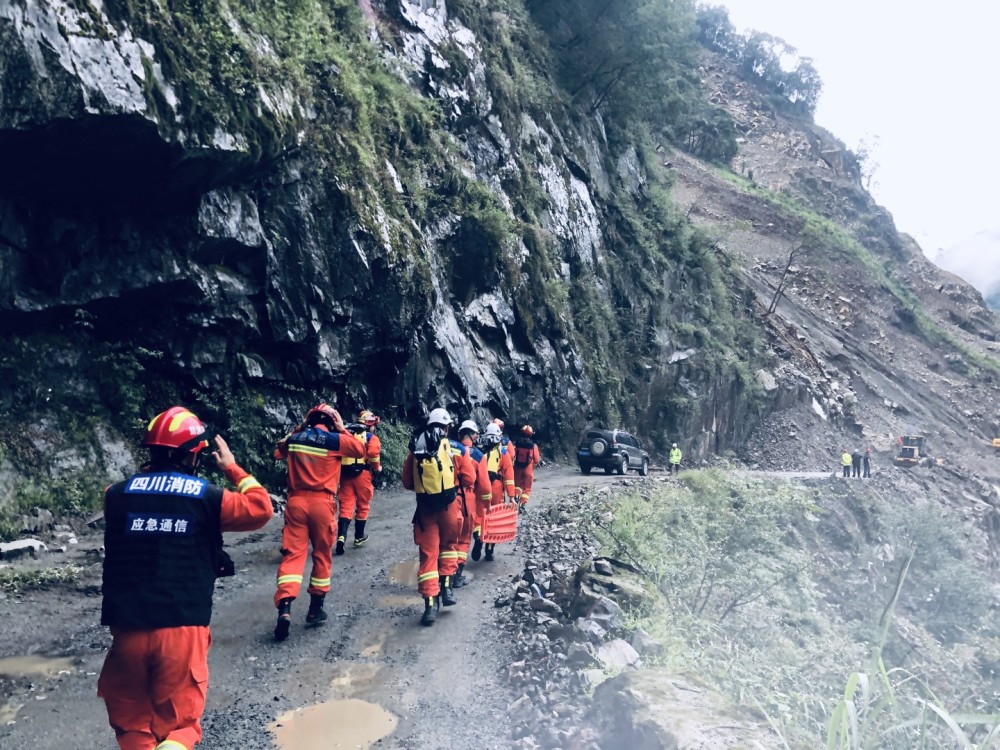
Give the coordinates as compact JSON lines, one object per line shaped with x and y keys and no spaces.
{"x":161,"y":541}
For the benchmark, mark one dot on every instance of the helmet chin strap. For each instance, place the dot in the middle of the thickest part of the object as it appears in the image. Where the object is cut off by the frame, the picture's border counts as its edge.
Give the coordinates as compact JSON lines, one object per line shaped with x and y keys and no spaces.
{"x":185,"y":467}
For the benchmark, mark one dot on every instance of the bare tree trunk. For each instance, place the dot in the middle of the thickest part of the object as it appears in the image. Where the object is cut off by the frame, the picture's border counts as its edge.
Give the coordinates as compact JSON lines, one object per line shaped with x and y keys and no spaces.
{"x":794,"y":255}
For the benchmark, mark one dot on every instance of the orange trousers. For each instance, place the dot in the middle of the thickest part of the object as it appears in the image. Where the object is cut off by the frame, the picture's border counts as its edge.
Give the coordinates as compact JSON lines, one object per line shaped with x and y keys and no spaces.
{"x":437,"y":535}
{"x":356,"y":495}
{"x":524,"y":477}
{"x":153,"y":684}
{"x":467,"y":506}
{"x":309,"y":517}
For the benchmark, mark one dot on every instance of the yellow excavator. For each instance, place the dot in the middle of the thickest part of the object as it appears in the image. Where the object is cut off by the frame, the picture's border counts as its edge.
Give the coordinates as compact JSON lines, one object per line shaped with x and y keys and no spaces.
{"x":912,"y":448}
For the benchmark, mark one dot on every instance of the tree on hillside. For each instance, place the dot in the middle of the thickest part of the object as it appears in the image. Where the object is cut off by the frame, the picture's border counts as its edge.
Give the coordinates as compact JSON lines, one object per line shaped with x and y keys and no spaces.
{"x":815,"y":238}
{"x":616,"y":52}
{"x":764,"y":59}
{"x":637,"y":60}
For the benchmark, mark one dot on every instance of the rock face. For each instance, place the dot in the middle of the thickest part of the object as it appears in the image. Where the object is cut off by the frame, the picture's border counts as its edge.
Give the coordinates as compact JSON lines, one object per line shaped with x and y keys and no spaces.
{"x":197,"y":206}
{"x":202,"y":234}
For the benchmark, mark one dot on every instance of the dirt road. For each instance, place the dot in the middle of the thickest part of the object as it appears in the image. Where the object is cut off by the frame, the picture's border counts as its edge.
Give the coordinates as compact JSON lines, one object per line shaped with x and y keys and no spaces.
{"x":370,"y":672}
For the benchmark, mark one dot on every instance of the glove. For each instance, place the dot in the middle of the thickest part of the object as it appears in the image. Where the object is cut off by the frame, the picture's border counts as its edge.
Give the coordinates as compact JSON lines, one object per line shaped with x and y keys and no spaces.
{"x":277,"y":505}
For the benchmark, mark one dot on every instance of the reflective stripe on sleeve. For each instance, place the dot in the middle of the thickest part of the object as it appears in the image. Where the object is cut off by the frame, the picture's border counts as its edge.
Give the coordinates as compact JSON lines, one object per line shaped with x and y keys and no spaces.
{"x":248,"y":483}
{"x":307,"y":449}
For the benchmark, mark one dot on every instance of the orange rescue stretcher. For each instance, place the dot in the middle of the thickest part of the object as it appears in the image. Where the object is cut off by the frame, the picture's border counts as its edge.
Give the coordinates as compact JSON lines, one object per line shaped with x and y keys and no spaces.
{"x":499,"y":524}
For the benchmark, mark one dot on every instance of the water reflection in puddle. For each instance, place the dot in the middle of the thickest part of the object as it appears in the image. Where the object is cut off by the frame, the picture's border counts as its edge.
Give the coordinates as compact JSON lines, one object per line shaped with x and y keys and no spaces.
{"x":336,"y":724}
{"x":404,"y":573}
{"x":35,"y":664}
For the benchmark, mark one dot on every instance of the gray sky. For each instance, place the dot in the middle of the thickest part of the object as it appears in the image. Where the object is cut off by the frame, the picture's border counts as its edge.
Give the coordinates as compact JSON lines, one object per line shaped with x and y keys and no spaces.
{"x":924,"y":79}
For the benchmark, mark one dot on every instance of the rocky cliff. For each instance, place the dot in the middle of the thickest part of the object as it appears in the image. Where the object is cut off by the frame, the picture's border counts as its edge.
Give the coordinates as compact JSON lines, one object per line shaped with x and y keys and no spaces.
{"x":393,"y":205}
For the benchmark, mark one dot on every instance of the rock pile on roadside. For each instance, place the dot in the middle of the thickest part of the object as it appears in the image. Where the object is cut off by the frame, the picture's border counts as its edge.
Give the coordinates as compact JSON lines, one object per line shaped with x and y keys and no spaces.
{"x":566,"y":616}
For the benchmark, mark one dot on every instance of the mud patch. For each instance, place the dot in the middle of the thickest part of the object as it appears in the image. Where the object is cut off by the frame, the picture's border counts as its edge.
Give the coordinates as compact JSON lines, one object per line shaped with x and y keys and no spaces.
{"x":354,"y":678}
{"x":377,"y":645}
{"x":335,"y":724}
{"x":8,"y":713}
{"x":36,"y":665}
{"x":404,"y":573}
{"x":400,"y":601}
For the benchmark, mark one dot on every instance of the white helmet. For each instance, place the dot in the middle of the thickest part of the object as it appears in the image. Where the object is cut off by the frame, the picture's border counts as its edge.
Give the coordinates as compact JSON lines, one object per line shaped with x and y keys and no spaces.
{"x":674,"y":445}
{"x":468,"y":426}
{"x":439,"y":417}
{"x":493,"y":430}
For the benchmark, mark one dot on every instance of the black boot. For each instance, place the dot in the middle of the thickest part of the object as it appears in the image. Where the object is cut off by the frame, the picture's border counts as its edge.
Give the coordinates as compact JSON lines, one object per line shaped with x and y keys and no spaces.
{"x":284,"y":619}
{"x":359,"y":533}
{"x":447,"y":594}
{"x":342,"y":526}
{"x":489,"y":553}
{"x":430,"y":611}
{"x":459,"y":579}
{"x":477,"y":547}
{"x":316,"y":615}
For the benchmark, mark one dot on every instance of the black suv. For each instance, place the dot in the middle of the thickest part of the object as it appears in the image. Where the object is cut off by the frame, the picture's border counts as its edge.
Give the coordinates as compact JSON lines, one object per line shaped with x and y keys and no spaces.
{"x":611,"y":450}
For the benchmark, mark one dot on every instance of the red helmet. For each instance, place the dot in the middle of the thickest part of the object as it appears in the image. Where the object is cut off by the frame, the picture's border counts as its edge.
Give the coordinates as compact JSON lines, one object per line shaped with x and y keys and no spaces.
{"x":527,"y":430}
{"x":368,"y":419}
{"x":321,"y":413}
{"x":176,"y":428}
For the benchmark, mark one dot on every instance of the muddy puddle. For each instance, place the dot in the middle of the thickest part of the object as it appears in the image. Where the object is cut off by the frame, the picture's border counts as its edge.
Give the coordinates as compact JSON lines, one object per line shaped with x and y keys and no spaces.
{"x":377,"y":644}
{"x":36,"y":665}
{"x":336,"y":724}
{"x":404,"y":573}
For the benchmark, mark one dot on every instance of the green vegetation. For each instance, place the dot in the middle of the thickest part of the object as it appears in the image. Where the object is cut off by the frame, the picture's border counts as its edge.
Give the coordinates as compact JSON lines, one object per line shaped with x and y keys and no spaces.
{"x":395,"y":439}
{"x":762,"y":58}
{"x":16,"y":581}
{"x":762,"y":604}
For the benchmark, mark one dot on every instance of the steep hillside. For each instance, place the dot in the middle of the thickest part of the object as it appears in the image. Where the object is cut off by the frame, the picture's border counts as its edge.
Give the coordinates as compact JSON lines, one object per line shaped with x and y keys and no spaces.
{"x":248,"y":211}
{"x":404,"y":204}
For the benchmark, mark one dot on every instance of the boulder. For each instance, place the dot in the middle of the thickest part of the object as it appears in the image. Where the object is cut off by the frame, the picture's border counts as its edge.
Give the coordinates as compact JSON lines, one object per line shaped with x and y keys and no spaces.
{"x":21,"y":547}
{"x":617,"y":654}
{"x":614,"y":580}
{"x":654,"y":709}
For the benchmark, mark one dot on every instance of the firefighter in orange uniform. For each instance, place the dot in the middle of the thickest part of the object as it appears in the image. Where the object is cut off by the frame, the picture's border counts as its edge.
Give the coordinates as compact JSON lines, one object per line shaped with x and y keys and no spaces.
{"x":313,"y":451}
{"x":357,"y":486}
{"x":163,"y":552}
{"x":526,"y":456}
{"x":435,"y":471}
{"x":475,"y":499}
{"x":500,"y":469}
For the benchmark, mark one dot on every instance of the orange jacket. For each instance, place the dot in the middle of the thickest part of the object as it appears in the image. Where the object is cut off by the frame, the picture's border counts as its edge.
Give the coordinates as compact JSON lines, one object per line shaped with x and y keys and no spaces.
{"x":313,"y":456}
{"x":247,"y":509}
{"x":483,"y":487}
{"x":500,"y":468}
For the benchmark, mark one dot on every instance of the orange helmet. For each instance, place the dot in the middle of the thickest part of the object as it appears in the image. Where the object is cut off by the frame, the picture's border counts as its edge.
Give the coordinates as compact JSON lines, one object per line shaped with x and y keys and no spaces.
{"x":320,"y":413}
{"x":178,"y":429}
{"x":498,"y":422}
{"x":368,"y":419}
{"x":527,"y":430}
